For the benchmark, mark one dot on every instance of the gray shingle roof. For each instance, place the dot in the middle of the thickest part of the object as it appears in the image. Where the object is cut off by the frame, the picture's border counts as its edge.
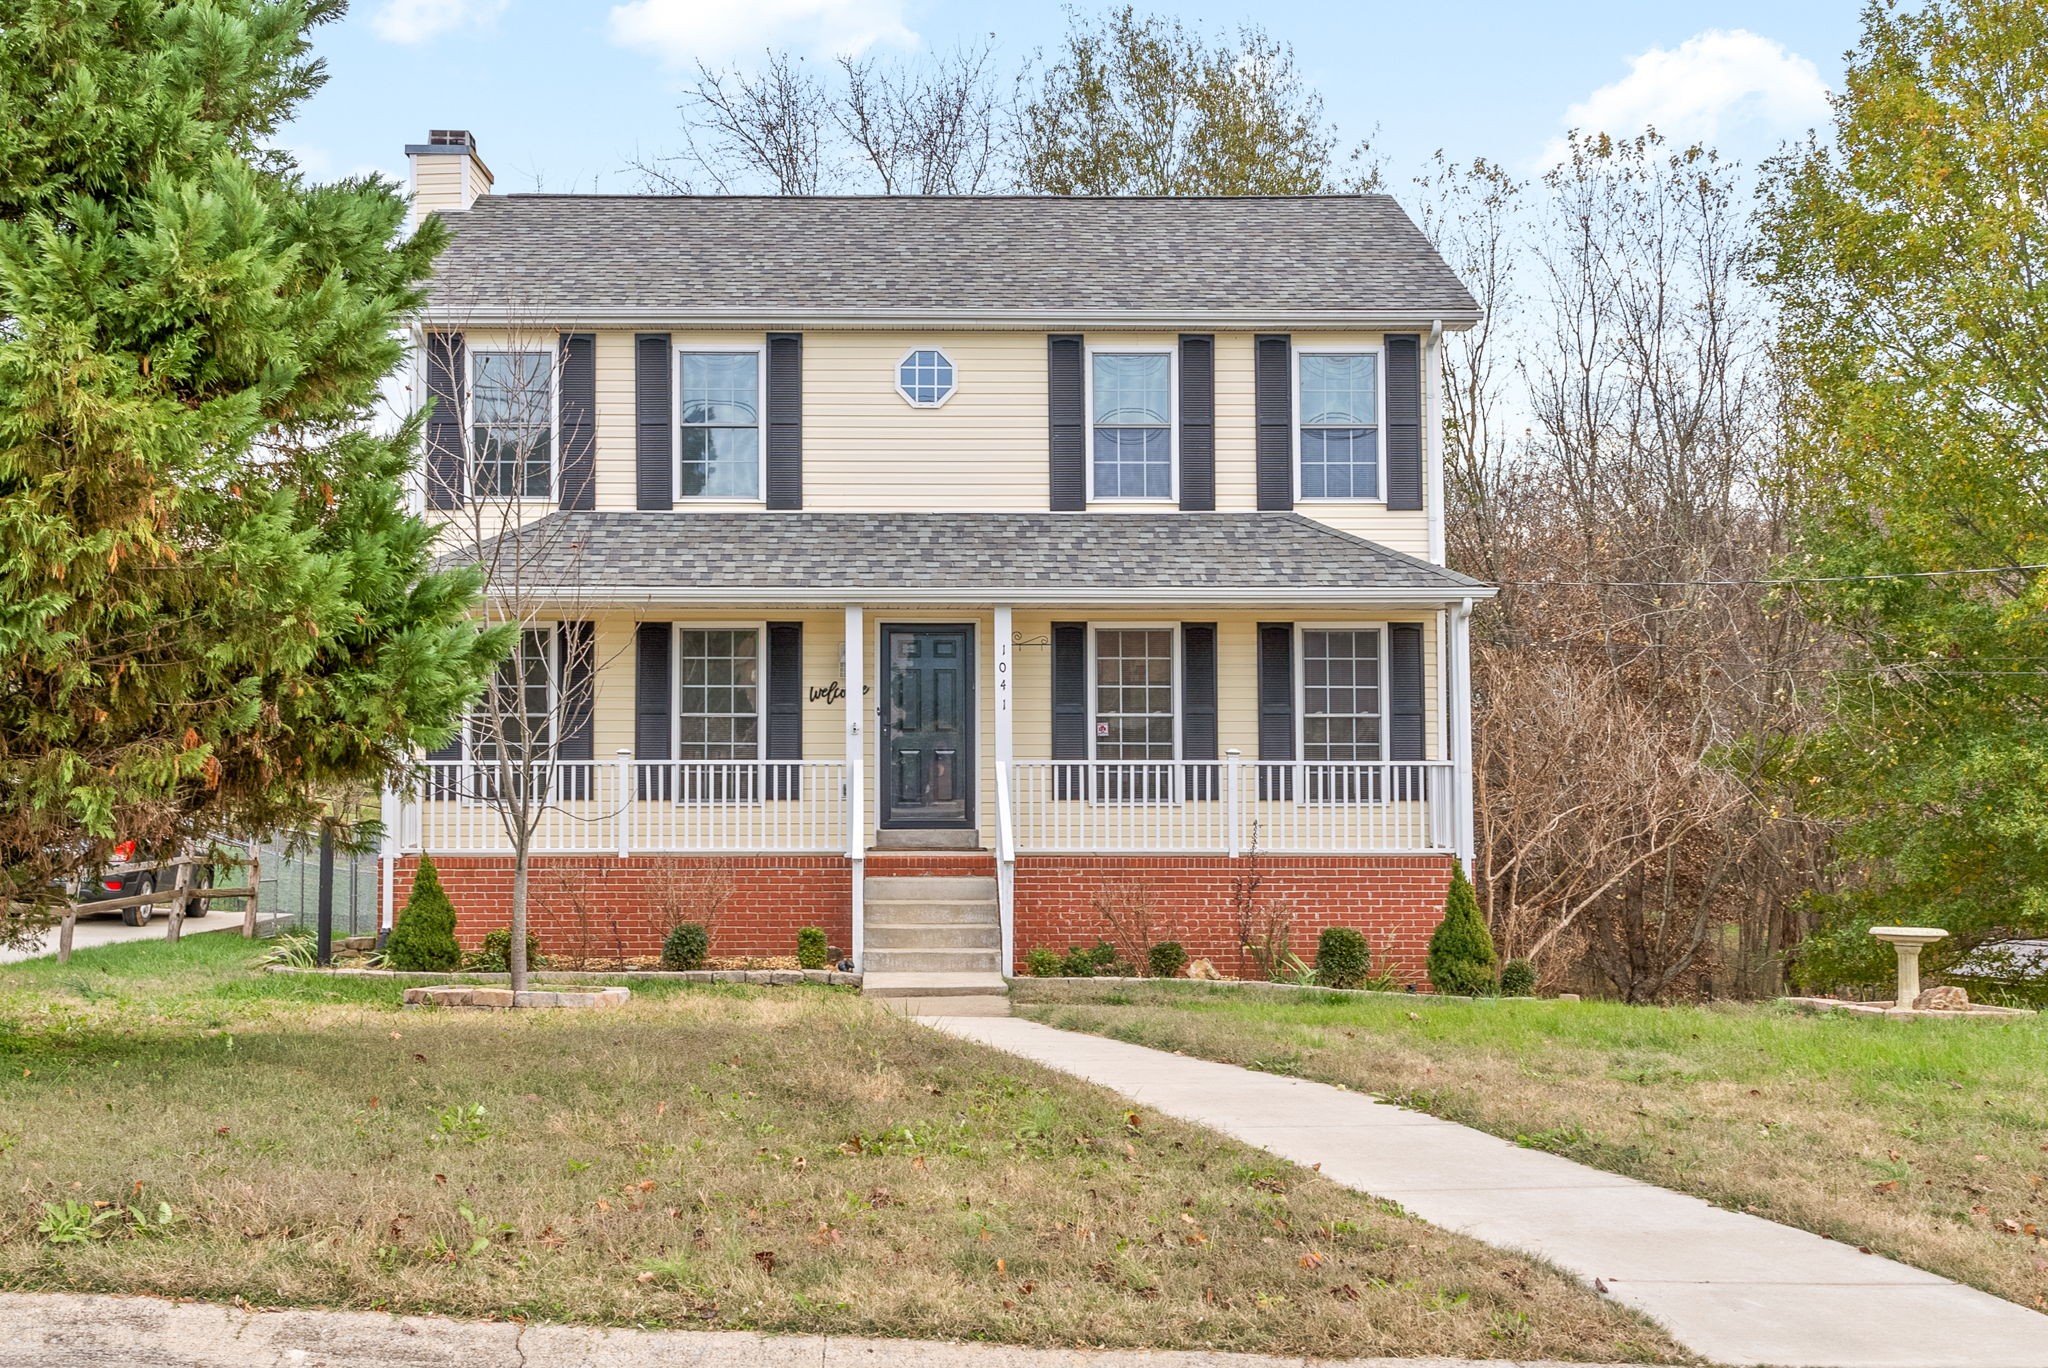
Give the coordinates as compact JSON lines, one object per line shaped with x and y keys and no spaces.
{"x":949,"y":556}
{"x":549,"y":257}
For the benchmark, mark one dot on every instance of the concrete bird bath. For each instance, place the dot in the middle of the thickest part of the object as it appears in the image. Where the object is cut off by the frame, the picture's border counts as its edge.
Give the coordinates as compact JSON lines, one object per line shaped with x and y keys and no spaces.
{"x":1909,"y":941}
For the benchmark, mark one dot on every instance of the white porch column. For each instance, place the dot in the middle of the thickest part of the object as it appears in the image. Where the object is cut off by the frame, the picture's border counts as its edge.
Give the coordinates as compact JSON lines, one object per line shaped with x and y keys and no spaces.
{"x":389,"y":813}
{"x":1006,"y":848}
{"x":1461,"y":731}
{"x":856,"y":780}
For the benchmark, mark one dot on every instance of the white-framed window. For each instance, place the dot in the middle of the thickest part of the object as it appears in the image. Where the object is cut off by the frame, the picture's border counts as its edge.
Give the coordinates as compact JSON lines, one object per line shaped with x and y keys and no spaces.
{"x":719,"y":672}
{"x":512,"y":408}
{"x":520,"y":703}
{"x":926,"y":377}
{"x":1135,"y":701}
{"x":1131,"y":406}
{"x":1337,"y":406}
{"x":1343,"y":694}
{"x":719,"y":421}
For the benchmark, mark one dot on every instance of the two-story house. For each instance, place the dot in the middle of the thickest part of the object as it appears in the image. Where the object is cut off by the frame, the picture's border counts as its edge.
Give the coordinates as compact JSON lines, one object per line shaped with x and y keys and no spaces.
{"x":945,"y":566}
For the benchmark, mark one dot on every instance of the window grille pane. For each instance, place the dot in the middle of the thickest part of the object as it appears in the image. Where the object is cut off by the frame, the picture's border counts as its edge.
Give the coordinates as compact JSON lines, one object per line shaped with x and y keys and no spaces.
{"x":1133,"y":410}
{"x":721,"y":435}
{"x":718,"y":700}
{"x":1340,"y":441}
{"x":511,"y":409}
{"x":1340,"y":695}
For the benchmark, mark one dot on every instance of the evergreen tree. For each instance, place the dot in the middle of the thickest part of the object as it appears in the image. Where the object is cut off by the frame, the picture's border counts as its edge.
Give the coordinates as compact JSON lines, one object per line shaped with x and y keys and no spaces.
{"x":212,"y":599}
{"x":424,"y":938}
{"x":1461,"y":955}
{"x":1905,"y":252}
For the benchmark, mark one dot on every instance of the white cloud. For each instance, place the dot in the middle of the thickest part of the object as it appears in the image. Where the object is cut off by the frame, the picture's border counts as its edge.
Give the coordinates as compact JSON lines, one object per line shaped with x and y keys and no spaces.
{"x":415,"y":21}
{"x":714,"y":31}
{"x":1715,"y":86}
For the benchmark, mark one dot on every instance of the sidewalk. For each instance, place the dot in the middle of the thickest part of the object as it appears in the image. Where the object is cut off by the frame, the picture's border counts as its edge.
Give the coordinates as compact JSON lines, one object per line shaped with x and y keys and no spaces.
{"x":60,"y":1330}
{"x":1737,"y":1289}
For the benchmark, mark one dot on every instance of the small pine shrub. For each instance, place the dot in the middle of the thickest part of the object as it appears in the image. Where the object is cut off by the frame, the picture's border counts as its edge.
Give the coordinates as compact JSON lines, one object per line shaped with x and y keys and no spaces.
{"x":812,"y":951}
{"x":496,"y":955}
{"x":423,"y":941}
{"x":1166,"y":959}
{"x":686,"y":946}
{"x":1343,"y":959}
{"x":1461,"y":955}
{"x":1518,"y":979}
{"x":1042,"y":963}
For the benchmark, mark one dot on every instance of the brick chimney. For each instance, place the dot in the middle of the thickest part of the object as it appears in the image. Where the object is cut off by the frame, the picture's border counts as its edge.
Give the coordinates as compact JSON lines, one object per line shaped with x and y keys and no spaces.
{"x":447,"y":174}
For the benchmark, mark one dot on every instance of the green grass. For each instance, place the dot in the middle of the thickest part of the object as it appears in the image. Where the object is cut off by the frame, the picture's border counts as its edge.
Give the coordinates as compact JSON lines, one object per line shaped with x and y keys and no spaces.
{"x":174,"y":1122}
{"x":1923,"y":1140}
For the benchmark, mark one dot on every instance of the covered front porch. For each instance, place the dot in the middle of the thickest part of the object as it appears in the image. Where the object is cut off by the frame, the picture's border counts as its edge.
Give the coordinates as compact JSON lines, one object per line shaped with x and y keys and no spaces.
{"x":1055,"y":739}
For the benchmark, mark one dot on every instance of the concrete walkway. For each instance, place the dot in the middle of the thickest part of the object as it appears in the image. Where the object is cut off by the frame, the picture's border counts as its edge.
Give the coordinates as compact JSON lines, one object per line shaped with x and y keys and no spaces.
{"x":1737,"y":1289}
{"x":58,"y":1330}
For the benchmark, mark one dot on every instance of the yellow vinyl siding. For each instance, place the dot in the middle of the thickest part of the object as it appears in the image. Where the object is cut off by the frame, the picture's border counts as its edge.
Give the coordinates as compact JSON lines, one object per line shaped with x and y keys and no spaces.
{"x":438,"y":183}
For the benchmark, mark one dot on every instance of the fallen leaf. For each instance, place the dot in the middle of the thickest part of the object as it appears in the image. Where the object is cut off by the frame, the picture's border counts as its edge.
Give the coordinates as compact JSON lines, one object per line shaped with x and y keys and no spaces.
{"x":1599,"y":1285}
{"x":643,"y":1277}
{"x":395,"y":1035}
{"x":1002,"y":1266}
{"x":420,"y":1057}
{"x":661,"y":1109}
{"x":1312,"y":1260}
{"x":765,"y":1258}
{"x":441,"y":1180}
{"x":220,"y":1130}
{"x":374,"y":1104}
{"x":603,"y":1205}
{"x":917,"y":1162}
{"x":1889,"y":1185}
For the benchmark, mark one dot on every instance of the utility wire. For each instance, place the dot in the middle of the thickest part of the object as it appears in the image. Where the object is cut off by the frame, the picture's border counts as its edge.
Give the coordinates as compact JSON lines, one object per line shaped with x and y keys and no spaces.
{"x":1758,"y":583}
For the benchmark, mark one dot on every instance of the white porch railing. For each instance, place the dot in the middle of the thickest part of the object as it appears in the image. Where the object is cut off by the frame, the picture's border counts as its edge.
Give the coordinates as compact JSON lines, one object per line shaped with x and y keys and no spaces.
{"x":628,"y":807}
{"x":1196,"y":807}
{"x":1211,"y":807}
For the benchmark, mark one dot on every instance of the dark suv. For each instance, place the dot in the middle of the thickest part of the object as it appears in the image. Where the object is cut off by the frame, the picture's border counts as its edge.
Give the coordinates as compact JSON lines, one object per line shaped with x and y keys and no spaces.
{"x":126,"y":875}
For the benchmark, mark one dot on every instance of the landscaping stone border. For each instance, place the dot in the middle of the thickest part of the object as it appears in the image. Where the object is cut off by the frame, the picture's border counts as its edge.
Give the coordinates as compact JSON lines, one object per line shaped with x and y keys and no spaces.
{"x":504,"y":999}
{"x":775,"y":978}
{"x":1209,"y":985}
{"x":1975,"y":1011}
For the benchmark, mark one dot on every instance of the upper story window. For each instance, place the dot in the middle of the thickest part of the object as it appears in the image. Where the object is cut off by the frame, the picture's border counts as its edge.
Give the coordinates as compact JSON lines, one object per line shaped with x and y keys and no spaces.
{"x":512,"y":424}
{"x":1131,"y":398}
{"x":1339,"y":439}
{"x":721,"y":425}
{"x":925,"y":377}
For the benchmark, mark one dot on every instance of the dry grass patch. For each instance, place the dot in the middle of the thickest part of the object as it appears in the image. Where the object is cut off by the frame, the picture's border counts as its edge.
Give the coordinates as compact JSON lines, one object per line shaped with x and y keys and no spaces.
{"x":784,"y":1159}
{"x":1924,"y":1140}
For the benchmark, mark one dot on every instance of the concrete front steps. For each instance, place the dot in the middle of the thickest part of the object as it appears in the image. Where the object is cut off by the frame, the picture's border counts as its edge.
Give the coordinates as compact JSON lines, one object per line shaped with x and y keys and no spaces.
{"x":932,"y":936}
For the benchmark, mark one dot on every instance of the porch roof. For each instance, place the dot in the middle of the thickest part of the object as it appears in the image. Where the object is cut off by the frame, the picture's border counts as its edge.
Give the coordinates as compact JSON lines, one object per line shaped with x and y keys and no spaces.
{"x":835,"y":558}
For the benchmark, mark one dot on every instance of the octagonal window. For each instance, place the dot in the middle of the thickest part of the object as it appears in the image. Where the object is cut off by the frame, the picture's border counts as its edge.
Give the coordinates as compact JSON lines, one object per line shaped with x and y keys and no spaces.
{"x":925,"y":377}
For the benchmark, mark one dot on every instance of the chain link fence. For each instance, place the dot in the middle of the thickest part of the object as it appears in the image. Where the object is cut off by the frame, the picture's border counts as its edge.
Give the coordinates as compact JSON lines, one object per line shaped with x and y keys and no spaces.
{"x":289,"y":890}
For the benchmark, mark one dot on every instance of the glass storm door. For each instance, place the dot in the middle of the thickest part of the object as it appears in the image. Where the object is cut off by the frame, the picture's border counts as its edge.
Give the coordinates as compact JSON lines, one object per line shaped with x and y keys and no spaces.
{"x":928,"y":727}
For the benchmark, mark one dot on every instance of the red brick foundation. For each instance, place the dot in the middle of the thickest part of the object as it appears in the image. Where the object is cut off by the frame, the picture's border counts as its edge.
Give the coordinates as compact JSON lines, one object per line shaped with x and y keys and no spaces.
{"x":600,"y":905}
{"x":1396,"y":900}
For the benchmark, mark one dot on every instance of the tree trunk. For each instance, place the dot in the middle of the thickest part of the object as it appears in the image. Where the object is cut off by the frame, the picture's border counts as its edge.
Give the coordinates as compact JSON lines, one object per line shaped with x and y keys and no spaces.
{"x":518,"y":946}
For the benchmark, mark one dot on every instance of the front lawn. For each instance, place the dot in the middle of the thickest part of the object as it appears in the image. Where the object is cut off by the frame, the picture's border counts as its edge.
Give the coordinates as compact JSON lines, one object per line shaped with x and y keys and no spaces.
{"x":1923,"y":1140}
{"x":782,"y":1159}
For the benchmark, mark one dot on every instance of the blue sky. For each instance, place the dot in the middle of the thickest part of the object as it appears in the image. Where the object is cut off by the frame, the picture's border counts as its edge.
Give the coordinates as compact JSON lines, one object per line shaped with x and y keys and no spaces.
{"x":561,"y":95}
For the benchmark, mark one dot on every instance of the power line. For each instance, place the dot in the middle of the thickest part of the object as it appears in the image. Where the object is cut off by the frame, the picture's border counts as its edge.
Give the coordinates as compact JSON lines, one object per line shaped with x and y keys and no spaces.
{"x":1764,"y":583}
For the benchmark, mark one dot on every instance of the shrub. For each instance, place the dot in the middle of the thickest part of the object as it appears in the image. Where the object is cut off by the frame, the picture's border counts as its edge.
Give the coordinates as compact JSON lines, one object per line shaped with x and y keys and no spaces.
{"x":812,"y":952}
{"x":424,"y":939}
{"x":686,"y":946}
{"x":1100,"y":960}
{"x":1343,"y":959}
{"x":1518,"y":979}
{"x":1042,"y":963}
{"x":1461,"y":955}
{"x":496,"y":955}
{"x":1166,"y":959}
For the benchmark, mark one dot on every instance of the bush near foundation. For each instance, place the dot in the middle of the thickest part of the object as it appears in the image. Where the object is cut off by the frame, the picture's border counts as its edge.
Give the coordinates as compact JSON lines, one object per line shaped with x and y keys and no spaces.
{"x":1461,"y":954}
{"x":686,"y":947}
{"x":812,"y":949}
{"x":1343,"y":959}
{"x":1166,"y":959}
{"x":423,"y":941}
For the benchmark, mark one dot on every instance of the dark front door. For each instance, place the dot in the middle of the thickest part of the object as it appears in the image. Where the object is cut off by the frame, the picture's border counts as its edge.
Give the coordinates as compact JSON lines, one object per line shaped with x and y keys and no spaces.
{"x":928,"y":726}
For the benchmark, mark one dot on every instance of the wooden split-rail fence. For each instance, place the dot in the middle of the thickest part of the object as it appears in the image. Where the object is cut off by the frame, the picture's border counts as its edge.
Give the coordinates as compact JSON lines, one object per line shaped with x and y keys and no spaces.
{"x":180,"y":896}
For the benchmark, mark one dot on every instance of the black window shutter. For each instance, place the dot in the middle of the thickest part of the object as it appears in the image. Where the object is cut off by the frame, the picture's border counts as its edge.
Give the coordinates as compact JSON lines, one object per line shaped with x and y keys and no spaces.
{"x":653,"y":422}
{"x":652,"y":642}
{"x":1198,"y":704}
{"x":1069,"y":703}
{"x":785,"y":421}
{"x":1197,"y":423}
{"x":577,"y":390}
{"x":1273,"y":413}
{"x":576,"y":673}
{"x":1404,"y":421}
{"x":1066,"y":396}
{"x":784,"y":739}
{"x":1276,"y":707}
{"x":447,"y":372}
{"x":1405,"y":732}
